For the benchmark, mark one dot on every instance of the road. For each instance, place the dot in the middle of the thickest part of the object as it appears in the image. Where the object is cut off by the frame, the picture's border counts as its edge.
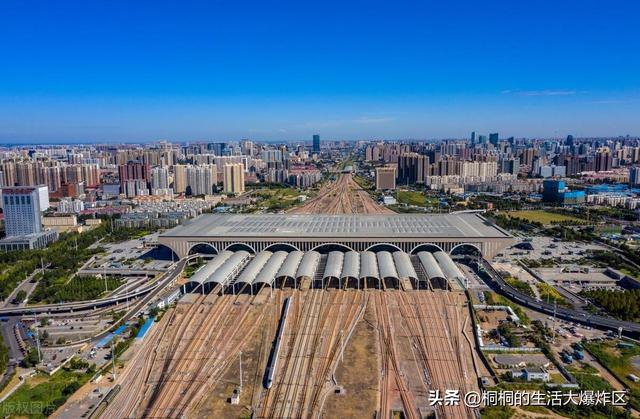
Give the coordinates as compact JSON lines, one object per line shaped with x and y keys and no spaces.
{"x":153,"y":289}
{"x":606,"y":323}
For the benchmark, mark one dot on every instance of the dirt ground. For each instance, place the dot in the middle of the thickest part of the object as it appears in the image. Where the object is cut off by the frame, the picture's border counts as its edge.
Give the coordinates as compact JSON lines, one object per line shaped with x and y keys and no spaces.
{"x":359,"y":375}
{"x":254,"y":358}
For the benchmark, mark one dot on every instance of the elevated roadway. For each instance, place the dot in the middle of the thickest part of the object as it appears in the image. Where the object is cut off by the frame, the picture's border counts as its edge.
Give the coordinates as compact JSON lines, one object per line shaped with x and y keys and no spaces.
{"x":150,"y":290}
{"x":497,"y":283}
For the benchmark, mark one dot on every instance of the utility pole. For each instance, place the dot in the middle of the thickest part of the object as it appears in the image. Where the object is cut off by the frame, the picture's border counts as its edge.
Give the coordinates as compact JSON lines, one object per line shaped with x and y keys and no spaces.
{"x":38,"y":341}
{"x":240,"y":371}
{"x":555,"y":307}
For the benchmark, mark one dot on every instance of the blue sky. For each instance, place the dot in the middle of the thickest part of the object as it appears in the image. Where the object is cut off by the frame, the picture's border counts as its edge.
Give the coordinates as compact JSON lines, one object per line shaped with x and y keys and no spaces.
{"x":212,"y":70}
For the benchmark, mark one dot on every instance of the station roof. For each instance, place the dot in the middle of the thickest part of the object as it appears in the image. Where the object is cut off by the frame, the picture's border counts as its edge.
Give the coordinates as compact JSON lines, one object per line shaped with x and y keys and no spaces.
{"x":464,"y":225}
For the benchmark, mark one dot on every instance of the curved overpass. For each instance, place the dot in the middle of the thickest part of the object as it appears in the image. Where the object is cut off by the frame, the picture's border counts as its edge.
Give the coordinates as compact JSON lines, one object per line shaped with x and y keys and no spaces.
{"x":579,"y":316}
{"x":169,"y":276}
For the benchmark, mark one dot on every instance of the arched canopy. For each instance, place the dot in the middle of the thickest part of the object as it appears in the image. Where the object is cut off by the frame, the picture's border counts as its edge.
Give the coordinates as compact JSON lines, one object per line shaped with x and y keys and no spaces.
{"x":386,"y":266}
{"x":308,"y":265}
{"x":203,"y":248}
{"x":383,"y":247}
{"x":268,"y":273}
{"x":449,"y":268}
{"x":426,"y":247}
{"x":254,"y":267}
{"x":204,"y":273}
{"x":368,"y":266}
{"x":290,"y":265}
{"x":287,"y":247}
{"x":351,"y":265}
{"x":241,"y":246}
{"x":430,"y":265}
{"x":331,"y":247}
{"x":230,"y":267}
{"x":466,"y":249}
{"x":404,"y":267}
{"x":333,"y":268}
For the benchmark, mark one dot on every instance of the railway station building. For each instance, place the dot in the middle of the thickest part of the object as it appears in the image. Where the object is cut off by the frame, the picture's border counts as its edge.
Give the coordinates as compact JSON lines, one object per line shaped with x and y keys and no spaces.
{"x":410,"y":233}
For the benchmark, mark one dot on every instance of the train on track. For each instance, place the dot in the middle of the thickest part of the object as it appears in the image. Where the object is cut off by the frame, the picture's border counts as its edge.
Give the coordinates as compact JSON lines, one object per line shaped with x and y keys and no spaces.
{"x":273,"y":360}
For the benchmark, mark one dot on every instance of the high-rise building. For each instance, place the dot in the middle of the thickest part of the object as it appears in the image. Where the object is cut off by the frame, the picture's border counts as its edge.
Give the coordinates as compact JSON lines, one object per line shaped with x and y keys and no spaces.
{"x":493,"y":138}
{"x":133,"y":171}
{"x":316,"y":144}
{"x":159,"y":178}
{"x":179,"y":178}
{"x":22,"y":214}
{"x":201,"y":180}
{"x":473,"y":137}
{"x":634,"y":176}
{"x":385,"y":178}
{"x":603,"y":160}
{"x":511,"y":166}
{"x":233,"y":181}
{"x":412,"y":168}
{"x":23,"y":206}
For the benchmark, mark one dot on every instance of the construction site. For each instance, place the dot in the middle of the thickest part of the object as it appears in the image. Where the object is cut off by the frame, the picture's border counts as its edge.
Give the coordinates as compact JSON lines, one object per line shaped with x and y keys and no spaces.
{"x":346,"y":328}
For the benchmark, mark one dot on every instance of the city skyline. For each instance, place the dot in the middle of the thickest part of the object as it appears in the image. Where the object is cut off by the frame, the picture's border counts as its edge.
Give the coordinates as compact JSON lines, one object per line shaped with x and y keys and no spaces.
{"x":78,"y":73}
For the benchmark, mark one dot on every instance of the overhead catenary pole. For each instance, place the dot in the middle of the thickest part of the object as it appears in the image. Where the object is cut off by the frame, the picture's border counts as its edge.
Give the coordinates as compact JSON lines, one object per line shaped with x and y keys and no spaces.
{"x":240,"y":370}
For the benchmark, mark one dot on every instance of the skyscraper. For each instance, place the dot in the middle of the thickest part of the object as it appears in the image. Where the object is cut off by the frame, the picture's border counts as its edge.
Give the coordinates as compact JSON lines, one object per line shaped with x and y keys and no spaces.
{"x":233,"y":181}
{"x":316,"y":143}
{"x":493,"y":138}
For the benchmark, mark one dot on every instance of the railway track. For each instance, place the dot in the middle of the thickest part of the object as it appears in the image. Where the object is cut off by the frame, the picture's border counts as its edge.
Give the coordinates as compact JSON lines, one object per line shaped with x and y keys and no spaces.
{"x":342,"y":196}
{"x":313,"y":348}
{"x":190,"y":351}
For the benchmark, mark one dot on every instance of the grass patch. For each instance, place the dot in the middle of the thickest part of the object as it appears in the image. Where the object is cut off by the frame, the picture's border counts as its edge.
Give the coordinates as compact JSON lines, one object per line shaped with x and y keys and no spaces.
{"x":548,"y":293}
{"x":277,"y":199}
{"x":54,"y":288}
{"x":521,"y":286}
{"x":544,"y":217}
{"x":412,"y":198}
{"x":618,"y":361}
{"x":41,"y":395}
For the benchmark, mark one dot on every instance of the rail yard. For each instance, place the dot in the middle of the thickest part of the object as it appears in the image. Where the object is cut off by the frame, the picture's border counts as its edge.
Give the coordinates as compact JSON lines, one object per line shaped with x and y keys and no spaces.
{"x":422,"y":336}
{"x":294,"y":311}
{"x":343,"y":196}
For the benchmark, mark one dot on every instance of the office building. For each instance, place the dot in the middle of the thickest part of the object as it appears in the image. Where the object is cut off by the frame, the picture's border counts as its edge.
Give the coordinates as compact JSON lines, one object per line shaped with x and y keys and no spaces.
{"x":556,"y":192}
{"x":316,"y":144}
{"x":386,"y":178}
{"x":233,"y":181}
{"x":23,"y":218}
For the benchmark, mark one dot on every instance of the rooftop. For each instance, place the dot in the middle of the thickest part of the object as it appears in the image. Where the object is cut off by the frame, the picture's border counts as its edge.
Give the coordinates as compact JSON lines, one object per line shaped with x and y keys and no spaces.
{"x":464,"y":225}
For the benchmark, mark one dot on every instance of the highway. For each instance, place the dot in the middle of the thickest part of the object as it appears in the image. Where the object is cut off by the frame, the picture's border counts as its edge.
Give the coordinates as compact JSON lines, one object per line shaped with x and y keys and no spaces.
{"x":579,"y":316}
